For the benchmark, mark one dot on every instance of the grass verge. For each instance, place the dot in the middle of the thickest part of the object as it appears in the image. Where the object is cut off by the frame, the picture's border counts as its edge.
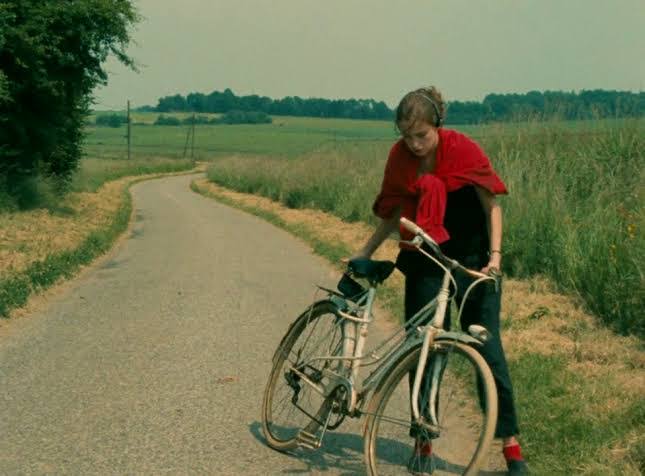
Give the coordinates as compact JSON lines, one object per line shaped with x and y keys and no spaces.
{"x":17,"y":287}
{"x":578,"y":386}
{"x":34,"y":274}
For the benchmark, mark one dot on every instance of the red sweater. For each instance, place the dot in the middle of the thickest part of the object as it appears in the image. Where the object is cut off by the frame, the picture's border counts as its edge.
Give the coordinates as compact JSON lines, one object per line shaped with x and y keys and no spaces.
{"x":460,"y":162}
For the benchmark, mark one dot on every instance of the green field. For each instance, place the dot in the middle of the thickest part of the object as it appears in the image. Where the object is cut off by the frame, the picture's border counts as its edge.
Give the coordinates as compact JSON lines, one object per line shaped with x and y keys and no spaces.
{"x":286,"y":137}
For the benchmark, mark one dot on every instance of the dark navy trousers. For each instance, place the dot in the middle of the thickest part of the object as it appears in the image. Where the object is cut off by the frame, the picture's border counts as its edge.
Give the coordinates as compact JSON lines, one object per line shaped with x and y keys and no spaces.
{"x":423,"y":281}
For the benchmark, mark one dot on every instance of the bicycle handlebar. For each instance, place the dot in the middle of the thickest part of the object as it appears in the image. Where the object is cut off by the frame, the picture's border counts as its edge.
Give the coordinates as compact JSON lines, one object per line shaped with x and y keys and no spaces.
{"x":451,"y":263}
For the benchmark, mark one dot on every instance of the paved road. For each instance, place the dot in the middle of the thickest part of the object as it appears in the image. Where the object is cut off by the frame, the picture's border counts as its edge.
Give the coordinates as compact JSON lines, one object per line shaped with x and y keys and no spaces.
{"x":154,"y":362}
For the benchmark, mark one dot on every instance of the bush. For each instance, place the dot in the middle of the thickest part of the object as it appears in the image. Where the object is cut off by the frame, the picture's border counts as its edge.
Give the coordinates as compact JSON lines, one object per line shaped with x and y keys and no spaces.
{"x":32,"y":192}
{"x":167,"y":121}
{"x":243,"y":117}
{"x":111,"y":120}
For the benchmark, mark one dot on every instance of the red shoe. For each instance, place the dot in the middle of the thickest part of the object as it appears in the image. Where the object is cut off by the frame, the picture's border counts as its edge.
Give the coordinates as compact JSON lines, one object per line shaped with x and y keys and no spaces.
{"x":421,"y":462}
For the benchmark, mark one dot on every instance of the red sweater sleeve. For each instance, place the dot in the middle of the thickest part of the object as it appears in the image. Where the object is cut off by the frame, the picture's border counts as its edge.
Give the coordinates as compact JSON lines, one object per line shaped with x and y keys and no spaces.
{"x":465,"y":163}
{"x":393,"y":189}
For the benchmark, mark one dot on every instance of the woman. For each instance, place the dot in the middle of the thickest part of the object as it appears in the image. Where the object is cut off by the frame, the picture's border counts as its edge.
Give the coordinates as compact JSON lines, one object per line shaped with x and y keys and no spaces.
{"x":443,"y":181}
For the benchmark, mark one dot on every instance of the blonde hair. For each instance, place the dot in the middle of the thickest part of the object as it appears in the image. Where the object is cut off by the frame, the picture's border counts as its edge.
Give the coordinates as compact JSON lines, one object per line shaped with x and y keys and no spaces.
{"x":425,"y":104}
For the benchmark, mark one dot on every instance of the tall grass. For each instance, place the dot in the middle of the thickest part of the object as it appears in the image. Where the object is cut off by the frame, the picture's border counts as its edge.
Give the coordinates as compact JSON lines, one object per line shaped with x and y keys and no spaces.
{"x":338,"y":180}
{"x":574,"y":212}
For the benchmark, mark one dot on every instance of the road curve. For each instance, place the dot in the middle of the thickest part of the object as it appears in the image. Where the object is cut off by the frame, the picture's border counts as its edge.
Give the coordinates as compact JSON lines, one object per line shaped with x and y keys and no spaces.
{"x":155,"y":361}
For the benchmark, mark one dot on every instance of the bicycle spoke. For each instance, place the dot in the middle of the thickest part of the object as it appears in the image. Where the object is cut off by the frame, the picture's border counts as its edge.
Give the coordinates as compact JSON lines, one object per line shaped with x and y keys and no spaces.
{"x":291,"y":403}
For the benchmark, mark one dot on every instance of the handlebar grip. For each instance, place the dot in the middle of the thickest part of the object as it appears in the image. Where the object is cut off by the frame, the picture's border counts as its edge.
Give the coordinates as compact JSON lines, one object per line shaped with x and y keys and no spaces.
{"x":417,"y":230}
{"x":474,"y":274}
{"x":411,"y":226}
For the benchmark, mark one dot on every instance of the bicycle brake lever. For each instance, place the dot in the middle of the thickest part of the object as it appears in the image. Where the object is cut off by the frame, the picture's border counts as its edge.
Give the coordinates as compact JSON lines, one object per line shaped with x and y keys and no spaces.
{"x":496,"y":275}
{"x":416,"y":242}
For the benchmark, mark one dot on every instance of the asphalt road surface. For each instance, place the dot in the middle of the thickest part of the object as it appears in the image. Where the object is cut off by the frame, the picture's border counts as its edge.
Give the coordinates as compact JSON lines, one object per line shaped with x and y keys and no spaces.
{"x":154,"y":362}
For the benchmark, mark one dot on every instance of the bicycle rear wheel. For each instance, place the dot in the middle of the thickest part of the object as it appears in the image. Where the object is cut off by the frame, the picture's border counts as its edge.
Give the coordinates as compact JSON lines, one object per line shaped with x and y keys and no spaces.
{"x":466,"y":407}
{"x":291,"y":405}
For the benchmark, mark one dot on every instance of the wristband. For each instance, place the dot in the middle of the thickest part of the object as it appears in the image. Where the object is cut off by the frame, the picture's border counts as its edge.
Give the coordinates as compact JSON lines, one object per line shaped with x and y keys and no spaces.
{"x":495,"y":251}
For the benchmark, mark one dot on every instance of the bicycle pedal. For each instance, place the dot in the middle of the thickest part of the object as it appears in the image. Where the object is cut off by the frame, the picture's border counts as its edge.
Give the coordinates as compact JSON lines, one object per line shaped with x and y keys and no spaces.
{"x":308,"y":440}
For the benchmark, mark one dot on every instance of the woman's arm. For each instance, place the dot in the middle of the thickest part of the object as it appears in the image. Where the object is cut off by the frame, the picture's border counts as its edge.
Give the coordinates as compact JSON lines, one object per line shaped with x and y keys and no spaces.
{"x":383,"y":230}
{"x":494,"y":220}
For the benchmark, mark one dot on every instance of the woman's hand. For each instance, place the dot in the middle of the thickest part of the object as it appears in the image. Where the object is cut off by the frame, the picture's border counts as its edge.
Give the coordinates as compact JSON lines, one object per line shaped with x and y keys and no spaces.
{"x":383,"y":230}
{"x":494,"y":263}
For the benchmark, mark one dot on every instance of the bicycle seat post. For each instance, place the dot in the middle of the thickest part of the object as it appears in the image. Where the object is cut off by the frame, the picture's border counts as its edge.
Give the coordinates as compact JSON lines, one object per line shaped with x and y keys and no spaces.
{"x":361,"y":338}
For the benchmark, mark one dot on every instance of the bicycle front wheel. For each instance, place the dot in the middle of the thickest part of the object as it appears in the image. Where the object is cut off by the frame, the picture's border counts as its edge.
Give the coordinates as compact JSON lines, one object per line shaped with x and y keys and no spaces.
{"x":465,"y":404}
{"x":291,"y":403}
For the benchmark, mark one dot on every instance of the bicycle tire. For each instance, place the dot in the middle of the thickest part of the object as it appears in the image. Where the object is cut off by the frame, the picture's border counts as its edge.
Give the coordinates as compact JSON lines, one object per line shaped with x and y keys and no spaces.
{"x":293,"y":352}
{"x":389,"y":440}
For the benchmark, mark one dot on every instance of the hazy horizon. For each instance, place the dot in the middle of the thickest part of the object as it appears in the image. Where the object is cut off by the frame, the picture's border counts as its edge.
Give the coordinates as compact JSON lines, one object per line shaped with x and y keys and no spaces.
{"x":379,"y":50}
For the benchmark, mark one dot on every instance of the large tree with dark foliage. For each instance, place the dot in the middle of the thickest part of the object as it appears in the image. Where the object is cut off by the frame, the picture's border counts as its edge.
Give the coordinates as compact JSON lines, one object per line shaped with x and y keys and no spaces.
{"x":51,"y":59}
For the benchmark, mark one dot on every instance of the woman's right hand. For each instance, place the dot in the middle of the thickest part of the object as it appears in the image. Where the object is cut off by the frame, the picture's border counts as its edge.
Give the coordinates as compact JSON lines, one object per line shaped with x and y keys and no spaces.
{"x":383,"y":230}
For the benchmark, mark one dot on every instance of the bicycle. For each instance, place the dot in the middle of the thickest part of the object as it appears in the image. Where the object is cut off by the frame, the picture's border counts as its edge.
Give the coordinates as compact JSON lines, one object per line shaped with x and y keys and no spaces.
{"x":313,"y":385}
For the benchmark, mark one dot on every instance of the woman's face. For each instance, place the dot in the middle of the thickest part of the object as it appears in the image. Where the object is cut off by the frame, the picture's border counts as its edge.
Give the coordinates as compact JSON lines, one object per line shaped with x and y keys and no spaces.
{"x":420,"y":137}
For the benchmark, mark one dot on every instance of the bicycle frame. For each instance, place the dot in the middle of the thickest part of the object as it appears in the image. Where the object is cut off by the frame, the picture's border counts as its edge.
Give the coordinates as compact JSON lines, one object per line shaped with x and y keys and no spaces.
{"x":335,"y":375}
{"x":355,"y":321}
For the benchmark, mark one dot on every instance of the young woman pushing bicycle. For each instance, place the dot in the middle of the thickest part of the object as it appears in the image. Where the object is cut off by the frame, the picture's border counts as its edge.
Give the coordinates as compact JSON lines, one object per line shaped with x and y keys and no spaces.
{"x":442,"y":180}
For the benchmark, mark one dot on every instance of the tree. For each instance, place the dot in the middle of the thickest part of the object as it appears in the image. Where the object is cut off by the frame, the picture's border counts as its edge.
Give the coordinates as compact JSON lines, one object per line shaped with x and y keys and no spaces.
{"x":111,"y":120}
{"x":243,"y":117}
{"x":172,"y":103}
{"x":5,"y":99}
{"x":51,"y":59}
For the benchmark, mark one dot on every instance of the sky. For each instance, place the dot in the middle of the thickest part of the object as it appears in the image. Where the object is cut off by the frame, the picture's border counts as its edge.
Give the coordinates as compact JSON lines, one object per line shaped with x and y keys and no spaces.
{"x":379,"y":49}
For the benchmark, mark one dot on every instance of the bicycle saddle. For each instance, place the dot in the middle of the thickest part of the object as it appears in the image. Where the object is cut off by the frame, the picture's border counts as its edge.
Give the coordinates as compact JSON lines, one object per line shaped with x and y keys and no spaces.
{"x":374,"y":271}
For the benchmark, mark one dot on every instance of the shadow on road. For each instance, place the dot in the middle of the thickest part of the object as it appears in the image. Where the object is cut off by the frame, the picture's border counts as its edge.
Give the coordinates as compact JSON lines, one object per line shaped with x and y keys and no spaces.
{"x":342,"y":452}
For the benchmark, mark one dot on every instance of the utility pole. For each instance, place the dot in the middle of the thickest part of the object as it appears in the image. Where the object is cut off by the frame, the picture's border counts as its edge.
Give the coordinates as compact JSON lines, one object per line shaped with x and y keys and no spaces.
{"x":183,"y":156}
{"x":129,"y":129}
{"x":192,"y":140}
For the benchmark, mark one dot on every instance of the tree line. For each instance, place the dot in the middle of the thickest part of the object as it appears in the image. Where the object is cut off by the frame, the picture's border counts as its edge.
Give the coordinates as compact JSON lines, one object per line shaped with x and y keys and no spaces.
{"x":223,"y":102}
{"x":590,"y":104}
{"x":587,"y":104}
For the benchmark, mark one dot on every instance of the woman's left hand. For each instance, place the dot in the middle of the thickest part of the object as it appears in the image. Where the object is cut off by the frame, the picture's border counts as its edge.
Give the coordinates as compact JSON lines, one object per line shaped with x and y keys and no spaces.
{"x":494,"y":263}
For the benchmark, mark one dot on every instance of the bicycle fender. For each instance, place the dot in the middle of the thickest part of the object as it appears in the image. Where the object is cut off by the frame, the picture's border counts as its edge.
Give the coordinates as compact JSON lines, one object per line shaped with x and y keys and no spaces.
{"x":457,"y":336}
